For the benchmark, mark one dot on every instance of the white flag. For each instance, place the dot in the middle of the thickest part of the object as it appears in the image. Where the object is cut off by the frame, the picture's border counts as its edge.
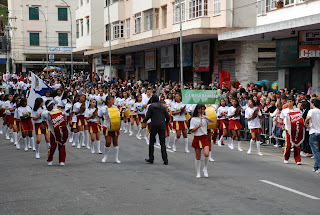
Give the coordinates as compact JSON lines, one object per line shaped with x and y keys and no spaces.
{"x":38,"y":89}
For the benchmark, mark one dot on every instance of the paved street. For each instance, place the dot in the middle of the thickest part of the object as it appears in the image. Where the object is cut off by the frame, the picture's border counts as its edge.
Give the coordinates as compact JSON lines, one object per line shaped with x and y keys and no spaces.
{"x":87,"y":186}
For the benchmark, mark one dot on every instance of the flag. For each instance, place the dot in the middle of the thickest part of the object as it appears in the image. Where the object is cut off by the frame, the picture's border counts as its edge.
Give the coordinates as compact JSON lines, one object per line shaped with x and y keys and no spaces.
{"x":38,"y":89}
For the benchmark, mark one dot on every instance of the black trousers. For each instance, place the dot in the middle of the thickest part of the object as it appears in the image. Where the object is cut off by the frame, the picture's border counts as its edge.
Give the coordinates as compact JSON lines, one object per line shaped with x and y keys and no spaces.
{"x":153,"y":133}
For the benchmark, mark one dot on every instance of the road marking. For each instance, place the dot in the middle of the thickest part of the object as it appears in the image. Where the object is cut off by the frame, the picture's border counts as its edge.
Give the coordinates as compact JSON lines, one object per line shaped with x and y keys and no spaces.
{"x":168,"y":150}
{"x":291,"y":190}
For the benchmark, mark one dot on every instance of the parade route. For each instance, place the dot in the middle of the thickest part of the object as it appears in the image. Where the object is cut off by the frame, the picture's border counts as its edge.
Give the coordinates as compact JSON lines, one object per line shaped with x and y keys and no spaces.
{"x":238,"y":183}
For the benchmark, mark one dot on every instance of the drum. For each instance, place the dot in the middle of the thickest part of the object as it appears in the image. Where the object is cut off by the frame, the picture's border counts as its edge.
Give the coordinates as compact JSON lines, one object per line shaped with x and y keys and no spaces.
{"x":188,"y":116}
{"x":114,"y":119}
{"x":127,"y":113}
{"x":211,"y":113}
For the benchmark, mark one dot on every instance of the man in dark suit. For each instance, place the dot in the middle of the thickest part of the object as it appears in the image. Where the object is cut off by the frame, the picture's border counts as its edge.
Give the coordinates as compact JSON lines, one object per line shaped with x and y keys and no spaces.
{"x":159,"y":118}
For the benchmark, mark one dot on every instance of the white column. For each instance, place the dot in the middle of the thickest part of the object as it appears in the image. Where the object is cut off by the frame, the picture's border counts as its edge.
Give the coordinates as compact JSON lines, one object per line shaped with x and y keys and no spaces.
{"x":316,"y":77}
{"x":282,"y":78}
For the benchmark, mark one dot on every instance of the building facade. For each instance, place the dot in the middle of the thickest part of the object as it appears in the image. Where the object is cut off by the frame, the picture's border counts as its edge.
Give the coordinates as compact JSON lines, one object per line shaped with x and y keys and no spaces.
{"x":41,"y":27}
{"x":291,"y":26}
{"x":144,"y":39}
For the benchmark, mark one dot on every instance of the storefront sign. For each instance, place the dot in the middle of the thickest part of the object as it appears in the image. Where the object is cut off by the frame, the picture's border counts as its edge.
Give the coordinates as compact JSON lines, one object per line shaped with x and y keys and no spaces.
{"x":59,"y":49}
{"x":150,"y":60}
{"x":186,"y":55}
{"x":201,"y":56}
{"x":129,"y":65}
{"x":115,"y":59}
{"x":167,"y":57}
{"x":287,"y":54}
{"x":309,"y":44}
{"x":200,"y":96}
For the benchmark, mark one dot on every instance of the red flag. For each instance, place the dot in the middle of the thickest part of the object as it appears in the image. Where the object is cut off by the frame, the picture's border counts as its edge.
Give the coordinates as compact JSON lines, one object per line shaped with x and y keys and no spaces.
{"x":296,"y":129}
{"x":60,"y":127}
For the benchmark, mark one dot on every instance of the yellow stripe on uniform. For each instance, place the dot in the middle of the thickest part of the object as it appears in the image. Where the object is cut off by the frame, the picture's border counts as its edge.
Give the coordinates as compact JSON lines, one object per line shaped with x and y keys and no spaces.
{"x":200,"y":144}
{"x":177,"y":126}
{"x":185,"y":125}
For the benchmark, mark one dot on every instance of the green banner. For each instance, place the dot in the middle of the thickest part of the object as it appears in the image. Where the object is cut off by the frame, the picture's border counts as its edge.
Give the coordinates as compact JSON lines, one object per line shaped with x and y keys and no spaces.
{"x":201,"y":96}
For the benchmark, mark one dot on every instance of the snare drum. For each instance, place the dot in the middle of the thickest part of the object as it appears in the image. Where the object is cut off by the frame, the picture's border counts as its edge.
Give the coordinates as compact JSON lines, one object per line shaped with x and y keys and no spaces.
{"x":127,"y":113}
{"x":211,"y":113}
{"x":114,"y":119}
{"x":188,"y":116}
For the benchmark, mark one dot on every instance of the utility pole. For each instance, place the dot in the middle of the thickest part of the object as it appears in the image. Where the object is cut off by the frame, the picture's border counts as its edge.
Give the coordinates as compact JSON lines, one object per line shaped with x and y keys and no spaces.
{"x":109,"y":27}
{"x":71,"y":34}
{"x":181,"y":51}
{"x":8,"y":28}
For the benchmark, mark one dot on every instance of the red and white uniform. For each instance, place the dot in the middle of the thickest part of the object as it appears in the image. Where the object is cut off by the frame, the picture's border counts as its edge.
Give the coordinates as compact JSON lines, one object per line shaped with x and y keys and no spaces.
{"x":26,"y":123}
{"x":253,"y":124}
{"x":200,"y":139}
{"x":223,"y":121}
{"x":103,"y":114}
{"x":81,"y":121}
{"x":93,"y":125}
{"x":179,"y":120}
{"x":234,"y":123}
{"x":40,"y":127}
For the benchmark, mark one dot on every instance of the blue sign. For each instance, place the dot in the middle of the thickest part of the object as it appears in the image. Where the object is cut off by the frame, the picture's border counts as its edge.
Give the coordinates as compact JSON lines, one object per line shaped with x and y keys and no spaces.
{"x":51,"y":58}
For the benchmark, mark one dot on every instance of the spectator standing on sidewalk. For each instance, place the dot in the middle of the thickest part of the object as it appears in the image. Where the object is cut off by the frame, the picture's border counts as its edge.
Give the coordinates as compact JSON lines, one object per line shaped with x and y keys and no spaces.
{"x":313,"y":124}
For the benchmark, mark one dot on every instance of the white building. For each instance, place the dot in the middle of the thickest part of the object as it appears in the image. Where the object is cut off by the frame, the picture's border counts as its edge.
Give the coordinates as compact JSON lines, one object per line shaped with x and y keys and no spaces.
{"x":281,"y":22}
{"x":34,"y":20}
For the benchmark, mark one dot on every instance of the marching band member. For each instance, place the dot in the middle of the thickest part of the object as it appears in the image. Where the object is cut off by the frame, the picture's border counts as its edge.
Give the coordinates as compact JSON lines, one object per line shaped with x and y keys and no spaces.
{"x":110,"y":136}
{"x":40,"y":126}
{"x":198,"y":125}
{"x":210,"y":134}
{"x":100,"y":98}
{"x":9,"y":106}
{"x":2,"y":114}
{"x":79,"y":109}
{"x":138,"y":106}
{"x":285,"y":121}
{"x":91,"y":115}
{"x":16,"y":123}
{"x":234,"y":113}
{"x":253,"y":116}
{"x":133,"y":112}
{"x":223,"y":121}
{"x":46,"y":117}
{"x":74,"y":122}
{"x":179,"y":123}
{"x":24,"y":114}
{"x":124,"y":104}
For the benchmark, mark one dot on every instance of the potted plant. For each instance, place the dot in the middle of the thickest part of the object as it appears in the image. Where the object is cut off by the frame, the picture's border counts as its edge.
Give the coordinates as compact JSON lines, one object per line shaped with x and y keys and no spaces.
{"x":280,"y":4}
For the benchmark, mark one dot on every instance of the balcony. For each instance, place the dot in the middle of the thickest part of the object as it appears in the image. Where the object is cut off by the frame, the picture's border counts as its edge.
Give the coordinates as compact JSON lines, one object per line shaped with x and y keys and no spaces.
{"x":138,"y":6}
{"x":117,"y":12}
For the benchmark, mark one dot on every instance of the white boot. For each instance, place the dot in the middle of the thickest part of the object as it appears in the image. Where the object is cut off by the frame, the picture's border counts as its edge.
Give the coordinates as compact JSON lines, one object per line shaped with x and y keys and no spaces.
{"x":139,"y":132}
{"x":210,"y":157}
{"x":230,"y":143}
{"x":175,"y":142}
{"x":220,"y":141}
{"x":18,"y":144}
{"x":168,"y":142}
{"x":116,"y":154}
{"x":29,"y":143}
{"x":71,"y":137}
{"x":87,"y":138}
{"x":126,"y":125}
{"x":205,"y":168}
{"x":83,"y":137}
{"x":37,"y":151}
{"x":258,"y":148}
{"x":250,"y":147}
{"x":11,"y":138}
{"x":1,"y":130}
{"x":130,"y":130}
{"x":239,"y":146}
{"x":198,"y":165}
{"x":98,"y":147}
{"x":81,"y":140}
{"x":75,"y":139}
{"x":32,"y":143}
{"x":15,"y":138}
{"x":186,"y":147}
{"x":7,"y":134}
{"x":105,"y":157}
{"x":25,"y":141}
{"x":92,"y":147}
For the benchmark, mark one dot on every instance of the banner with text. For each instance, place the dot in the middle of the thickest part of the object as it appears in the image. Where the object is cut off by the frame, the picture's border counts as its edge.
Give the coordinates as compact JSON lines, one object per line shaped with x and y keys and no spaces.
{"x":201,"y":97}
{"x":309,"y":44}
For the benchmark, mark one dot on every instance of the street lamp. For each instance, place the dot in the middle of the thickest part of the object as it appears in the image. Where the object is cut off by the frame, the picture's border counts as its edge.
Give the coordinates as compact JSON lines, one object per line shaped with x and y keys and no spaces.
{"x":45,"y":19}
{"x":71,"y":37}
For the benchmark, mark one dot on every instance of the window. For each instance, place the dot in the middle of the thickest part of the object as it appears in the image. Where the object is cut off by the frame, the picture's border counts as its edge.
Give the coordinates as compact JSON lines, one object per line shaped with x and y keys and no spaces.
{"x":217,"y":7}
{"x":33,"y":13}
{"x":108,"y":33}
{"x":128,"y":27}
{"x":108,"y":3}
{"x":88,"y":25}
{"x":137,"y":23}
{"x":118,"y":29}
{"x":176,"y":11}
{"x":164,"y":17}
{"x":63,"y":39}
{"x":198,"y":8}
{"x":77,"y":28}
{"x":34,"y":39}
{"x":81,"y":23}
{"x":270,"y":4}
{"x":288,"y":2}
{"x":148,"y":22}
{"x":62,"y":14}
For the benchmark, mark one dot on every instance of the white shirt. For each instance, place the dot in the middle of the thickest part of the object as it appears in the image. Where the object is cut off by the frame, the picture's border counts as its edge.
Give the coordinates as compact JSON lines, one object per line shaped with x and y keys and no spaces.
{"x":24,"y":111}
{"x":139,"y":108}
{"x":232,"y":111}
{"x":88,"y":113}
{"x":57,"y":99}
{"x":314,"y":121}
{"x":100,"y":100}
{"x":67,"y":107}
{"x":46,"y":117}
{"x":36,"y":114}
{"x":104,"y":114}
{"x":253,"y":123}
{"x":76,"y":108}
{"x":222,"y":110}
{"x":9,"y":105}
{"x":176,"y":107}
{"x":195,"y":121}
{"x":284,"y":115}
